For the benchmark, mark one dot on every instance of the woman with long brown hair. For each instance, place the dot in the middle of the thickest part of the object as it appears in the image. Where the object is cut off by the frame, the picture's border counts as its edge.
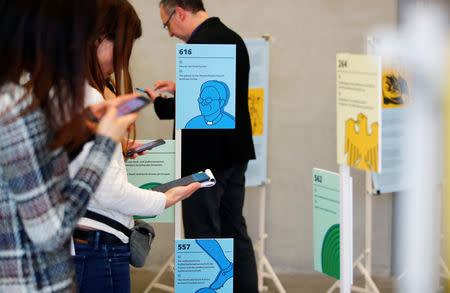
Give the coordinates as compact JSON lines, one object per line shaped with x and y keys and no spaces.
{"x":43,"y":52}
{"x":102,"y":252}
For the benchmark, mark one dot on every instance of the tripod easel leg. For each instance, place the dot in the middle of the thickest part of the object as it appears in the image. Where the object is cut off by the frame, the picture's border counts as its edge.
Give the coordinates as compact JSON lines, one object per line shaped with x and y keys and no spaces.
{"x":370,"y":286}
{"x":156,"y":284}
{"x":265,"y":270}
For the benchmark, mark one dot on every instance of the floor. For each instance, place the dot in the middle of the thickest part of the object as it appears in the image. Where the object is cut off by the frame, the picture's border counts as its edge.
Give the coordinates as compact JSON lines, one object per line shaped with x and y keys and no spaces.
{"x":292,"y":283}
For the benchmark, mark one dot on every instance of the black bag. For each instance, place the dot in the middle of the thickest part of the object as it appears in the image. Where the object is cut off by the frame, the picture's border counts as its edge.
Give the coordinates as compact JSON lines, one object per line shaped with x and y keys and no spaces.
{"x":141,"y":237}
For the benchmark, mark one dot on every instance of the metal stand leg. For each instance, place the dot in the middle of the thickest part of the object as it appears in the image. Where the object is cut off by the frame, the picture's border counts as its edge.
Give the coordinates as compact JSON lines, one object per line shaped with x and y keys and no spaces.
{"x":370,"y":286}
{"x":156,"y":284}
{"x":368,"y":253}
{"x":265,"y":270}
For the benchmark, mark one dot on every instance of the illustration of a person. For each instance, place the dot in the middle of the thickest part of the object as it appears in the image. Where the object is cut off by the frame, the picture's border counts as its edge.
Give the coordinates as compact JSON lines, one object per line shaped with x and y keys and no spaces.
{"x":213,"y":249}
{"x":214,"y":96}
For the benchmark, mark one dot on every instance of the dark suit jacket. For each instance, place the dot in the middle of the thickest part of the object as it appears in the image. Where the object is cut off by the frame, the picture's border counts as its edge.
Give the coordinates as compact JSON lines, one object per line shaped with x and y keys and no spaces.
{"x":220,"y":148}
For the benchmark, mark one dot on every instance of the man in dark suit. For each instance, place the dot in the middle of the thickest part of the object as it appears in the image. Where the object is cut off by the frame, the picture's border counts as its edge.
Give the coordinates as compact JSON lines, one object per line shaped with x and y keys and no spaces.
{"x":214,"y":212}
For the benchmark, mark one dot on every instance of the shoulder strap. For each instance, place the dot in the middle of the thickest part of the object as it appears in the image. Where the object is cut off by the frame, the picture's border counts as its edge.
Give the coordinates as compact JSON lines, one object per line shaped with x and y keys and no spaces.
{"x":108,"y":221}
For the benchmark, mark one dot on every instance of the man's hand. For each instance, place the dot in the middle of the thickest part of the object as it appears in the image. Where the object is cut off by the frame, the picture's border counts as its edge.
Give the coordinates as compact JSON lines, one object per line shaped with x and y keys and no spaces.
{"x":152,"y":94}
{"x":165,"y":86}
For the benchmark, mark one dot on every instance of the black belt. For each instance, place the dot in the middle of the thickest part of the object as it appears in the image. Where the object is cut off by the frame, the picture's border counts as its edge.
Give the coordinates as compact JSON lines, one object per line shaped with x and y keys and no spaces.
{"x":89,"y":236}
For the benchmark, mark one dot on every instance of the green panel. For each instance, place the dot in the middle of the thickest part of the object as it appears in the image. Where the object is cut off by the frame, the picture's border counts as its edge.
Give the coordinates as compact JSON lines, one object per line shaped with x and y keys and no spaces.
{"x":331,"y":252}
{"x":326,"y":211}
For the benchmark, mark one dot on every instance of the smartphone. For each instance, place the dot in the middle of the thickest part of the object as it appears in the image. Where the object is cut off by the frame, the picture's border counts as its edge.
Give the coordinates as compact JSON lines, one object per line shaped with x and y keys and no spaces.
{"x":205,"y":178}
{"x":126,"y":108}
{"x":133,"y":105}
{"x":145,"y":147}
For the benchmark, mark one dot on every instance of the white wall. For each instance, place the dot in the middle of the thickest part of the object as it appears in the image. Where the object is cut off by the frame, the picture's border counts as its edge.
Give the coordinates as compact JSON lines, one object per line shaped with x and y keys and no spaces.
{"x":306,"y":35}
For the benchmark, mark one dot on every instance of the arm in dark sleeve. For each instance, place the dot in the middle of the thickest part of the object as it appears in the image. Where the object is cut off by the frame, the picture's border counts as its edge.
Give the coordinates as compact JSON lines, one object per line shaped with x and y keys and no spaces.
{"x":165,"y":108}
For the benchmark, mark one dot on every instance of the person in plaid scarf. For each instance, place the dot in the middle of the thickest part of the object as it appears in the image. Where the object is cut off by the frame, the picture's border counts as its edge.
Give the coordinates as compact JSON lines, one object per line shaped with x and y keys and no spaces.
{"x":43,"y":52}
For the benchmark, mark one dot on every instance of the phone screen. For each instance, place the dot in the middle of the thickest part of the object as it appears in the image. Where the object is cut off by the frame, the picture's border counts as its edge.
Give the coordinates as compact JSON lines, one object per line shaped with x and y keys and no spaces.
{"x":200,"y":177}
{"x":132,"y":106}
{"x":149,"y":145}
{"x":146,"y":146}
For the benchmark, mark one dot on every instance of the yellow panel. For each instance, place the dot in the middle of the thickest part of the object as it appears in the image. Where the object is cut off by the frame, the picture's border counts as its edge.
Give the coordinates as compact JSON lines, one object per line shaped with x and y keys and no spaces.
{"x":396,"y":90}
{"x":256,"y":108}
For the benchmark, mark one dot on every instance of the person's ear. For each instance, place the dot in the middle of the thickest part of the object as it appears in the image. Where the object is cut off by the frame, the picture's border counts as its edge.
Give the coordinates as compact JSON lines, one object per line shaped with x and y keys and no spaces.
{"x":181,"y":13}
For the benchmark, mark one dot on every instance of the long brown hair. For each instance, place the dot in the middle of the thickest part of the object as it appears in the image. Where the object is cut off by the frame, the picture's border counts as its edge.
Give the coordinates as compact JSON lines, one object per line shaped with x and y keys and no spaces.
{"x":121,"y":25}
{"x":49,"y":41}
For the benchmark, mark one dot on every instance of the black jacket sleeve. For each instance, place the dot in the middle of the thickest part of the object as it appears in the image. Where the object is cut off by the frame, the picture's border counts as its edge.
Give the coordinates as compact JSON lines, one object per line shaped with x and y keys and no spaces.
{"x":165,"y":108}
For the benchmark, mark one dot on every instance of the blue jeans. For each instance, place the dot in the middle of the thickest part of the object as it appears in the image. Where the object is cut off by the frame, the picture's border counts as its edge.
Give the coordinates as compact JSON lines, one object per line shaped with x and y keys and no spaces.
{"x":102,"y":267}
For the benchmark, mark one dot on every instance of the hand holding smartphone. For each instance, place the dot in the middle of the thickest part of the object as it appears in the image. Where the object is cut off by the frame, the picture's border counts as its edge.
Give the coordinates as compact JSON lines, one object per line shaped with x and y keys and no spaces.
{"x":132,"y":106}
{"x":206,"y":179}
{"x":128,"y":107}
{"x":106,"y":120}
{"x":145,"y":147}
